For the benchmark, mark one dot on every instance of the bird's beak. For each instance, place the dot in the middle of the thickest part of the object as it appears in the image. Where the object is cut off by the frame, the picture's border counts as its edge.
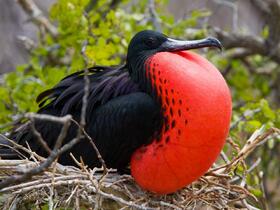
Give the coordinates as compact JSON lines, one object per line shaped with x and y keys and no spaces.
{"x":173,"y":45}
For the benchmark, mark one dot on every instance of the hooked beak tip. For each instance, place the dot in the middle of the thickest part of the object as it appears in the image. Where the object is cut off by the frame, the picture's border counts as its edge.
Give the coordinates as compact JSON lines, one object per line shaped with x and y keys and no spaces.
{"x":177,"y":45}
{"x":215,"y":43}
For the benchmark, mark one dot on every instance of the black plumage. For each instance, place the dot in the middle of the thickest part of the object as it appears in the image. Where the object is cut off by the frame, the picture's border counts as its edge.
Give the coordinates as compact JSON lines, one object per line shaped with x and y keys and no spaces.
{"x":119,"y":117}
{"x":123,"y":111}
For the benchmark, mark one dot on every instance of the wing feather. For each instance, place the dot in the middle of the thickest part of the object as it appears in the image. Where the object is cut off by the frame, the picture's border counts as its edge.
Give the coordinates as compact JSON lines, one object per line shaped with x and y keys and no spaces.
{"x":105,"y":84}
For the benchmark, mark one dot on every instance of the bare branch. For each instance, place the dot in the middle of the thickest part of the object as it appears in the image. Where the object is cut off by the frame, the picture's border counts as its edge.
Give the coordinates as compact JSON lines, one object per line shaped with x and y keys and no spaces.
{"x":269,"y":46}
{"x":154,"y":16}
{"x":253,"y":43}
{"x":20,"y":147}
{"x":56,"y":152}
{"x":50,"y":118}
{"x":215,"y":189}
{"x":28,"y":43}
{"x":261,"y":5}
{"x":37,"y":16}
{"x":99,"y":156}
{"x":39,"y":136}
{"x":85,"y":101}
{"x":86,"y":86}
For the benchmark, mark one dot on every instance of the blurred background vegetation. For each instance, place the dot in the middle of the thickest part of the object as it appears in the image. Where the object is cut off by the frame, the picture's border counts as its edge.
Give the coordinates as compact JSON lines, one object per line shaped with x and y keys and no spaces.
{"x":249,"y":62}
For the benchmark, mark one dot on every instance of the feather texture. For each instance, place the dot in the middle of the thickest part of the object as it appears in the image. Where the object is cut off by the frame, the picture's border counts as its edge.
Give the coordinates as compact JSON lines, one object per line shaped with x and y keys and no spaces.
{"x":120,"y":117}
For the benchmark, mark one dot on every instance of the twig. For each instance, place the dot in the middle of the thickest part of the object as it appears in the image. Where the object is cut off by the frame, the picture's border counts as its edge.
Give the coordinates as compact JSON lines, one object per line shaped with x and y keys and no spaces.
{"x":54,"y":154}
{"x":233,"y":40}
{"x":99,"y":156}
{"x":50,"y":118}
{"x":37,"y":16}
{"x":86,"y":86}
{"x":245,"y":115}
{"x":28,"y":43}
{"x":120,"y":200}
{"x":261,"y":5}
{"x":39,"y":136}
{"x":268,"y":46}
{"x":18,"y":146}
{"x":85,"y":101}
{"x":154,"y":16}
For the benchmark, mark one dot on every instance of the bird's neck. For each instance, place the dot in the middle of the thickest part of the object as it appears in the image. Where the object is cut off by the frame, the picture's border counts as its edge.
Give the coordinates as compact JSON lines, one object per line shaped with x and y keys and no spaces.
{"x":163,"y":87}
{"x":160,"y":84}
{"x":138,"y":72}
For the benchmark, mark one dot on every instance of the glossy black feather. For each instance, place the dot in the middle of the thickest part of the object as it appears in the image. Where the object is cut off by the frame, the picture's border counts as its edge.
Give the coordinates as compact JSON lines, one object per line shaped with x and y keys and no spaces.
{"x":123,"y":111}
{"x":120,"y":117}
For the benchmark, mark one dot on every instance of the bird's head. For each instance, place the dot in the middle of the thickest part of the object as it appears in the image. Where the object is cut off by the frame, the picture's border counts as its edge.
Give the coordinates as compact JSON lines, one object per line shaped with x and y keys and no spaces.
{"x":146,"y":43}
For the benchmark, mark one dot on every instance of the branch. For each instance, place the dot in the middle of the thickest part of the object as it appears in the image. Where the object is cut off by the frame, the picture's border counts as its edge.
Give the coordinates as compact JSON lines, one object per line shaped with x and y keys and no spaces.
{"x":231,"y":40}
{"x":85,"y":99}
{"x":154,"y":16}
{"x":55,"y":153}
{"x":270,"y":46}
{"x":86,"y":86}
{"x":257,"y":138}
{"x":261,"y":5}
{"x":50,"y":118}
{"x":99,"y":156}
{"x":37,"y":16}
{"x":39,"y":137}
{"x":16,"y":179}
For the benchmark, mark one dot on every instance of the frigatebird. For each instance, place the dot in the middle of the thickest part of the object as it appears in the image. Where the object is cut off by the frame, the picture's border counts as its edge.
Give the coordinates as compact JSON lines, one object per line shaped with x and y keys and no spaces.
{"x":166,"y":111}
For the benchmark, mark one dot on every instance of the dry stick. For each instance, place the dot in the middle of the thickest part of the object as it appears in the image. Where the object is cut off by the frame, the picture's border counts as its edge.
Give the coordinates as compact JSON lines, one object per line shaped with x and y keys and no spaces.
{"x":18,"y":146}
{"x":58,"y":183}
{"x":50,"y":118}
{"x":154,"y":16}
{"x":42,"y":182}
{"x":251,"y":144}
{"x":39,"y":137}
{"x":255,"y":140}
{"x":71,"y":195}
{"x":37,"y":16}
{"x":27,"y":175}
{"x":247,"y":114}
{"x":261,"y":5}
{"x":84,"y":106}
{"x":63,"y":133}
{"x":250,"y":42}
{"x":66,"y":123}
{"x":86,"y":87}
{"x":13,"y":149}
{"x":52,"y":157}
{"x":119,"y":200}
{"x":101,"y":160}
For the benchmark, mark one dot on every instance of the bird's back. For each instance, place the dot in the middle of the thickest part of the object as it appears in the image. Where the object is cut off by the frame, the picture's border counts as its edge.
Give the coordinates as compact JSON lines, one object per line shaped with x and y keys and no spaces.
{"x":119,"y":117}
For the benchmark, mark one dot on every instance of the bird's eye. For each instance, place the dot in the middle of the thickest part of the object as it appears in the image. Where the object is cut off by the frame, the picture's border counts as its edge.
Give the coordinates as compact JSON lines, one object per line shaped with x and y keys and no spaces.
{"x":151,"y":41}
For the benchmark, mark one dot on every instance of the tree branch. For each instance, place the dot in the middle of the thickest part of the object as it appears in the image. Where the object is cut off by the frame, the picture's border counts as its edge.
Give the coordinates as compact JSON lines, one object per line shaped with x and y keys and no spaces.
{"x":154,"y":16}
{"x":55,"y":153}
{"x":269,"y":46}
{"x":261,"y":5}
{"x":231,"y":40}
{"x":37,"y":16}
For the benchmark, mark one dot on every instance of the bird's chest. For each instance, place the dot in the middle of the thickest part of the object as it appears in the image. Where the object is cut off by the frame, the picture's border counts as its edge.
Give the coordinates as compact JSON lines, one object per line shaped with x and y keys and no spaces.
{"x":196,"y":108}
{"x":172,"y":100}
{"x":189,"y":92}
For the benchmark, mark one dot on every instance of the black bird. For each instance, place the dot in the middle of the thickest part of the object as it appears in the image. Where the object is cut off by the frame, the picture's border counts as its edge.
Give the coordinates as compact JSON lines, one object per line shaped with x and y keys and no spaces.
{"x":124,"y":111}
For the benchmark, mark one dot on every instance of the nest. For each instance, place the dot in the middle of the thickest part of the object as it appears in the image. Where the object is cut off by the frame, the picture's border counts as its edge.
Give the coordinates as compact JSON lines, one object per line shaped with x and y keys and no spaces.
{"x":56,"y":185}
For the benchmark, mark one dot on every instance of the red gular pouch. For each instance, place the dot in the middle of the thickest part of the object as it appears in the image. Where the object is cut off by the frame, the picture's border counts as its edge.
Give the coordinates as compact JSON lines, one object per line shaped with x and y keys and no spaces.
{"x":196,"y":104}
